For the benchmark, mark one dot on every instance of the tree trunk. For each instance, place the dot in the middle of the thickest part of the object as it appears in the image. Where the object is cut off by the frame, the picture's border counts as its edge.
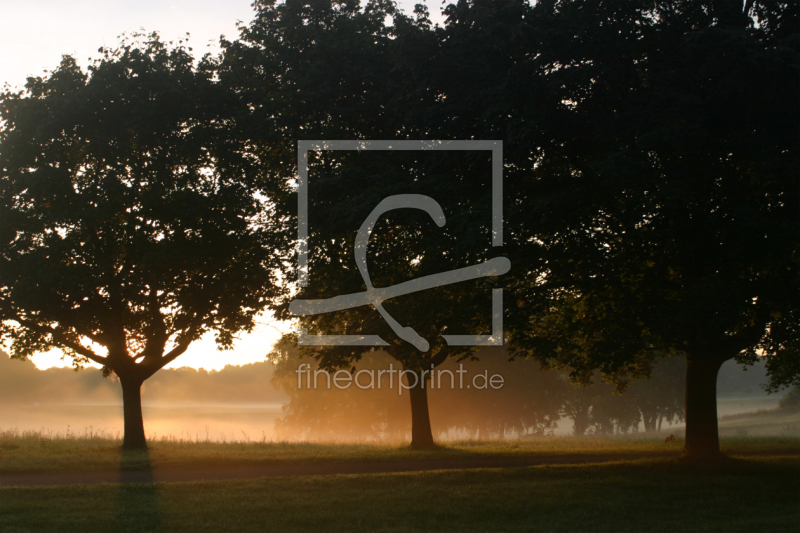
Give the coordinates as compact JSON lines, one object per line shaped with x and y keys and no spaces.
{"x":132,"y":414}
{"x":649,"y":421}
{"x":421,"y":434}
{"x":702,"y":432}
{"x":580,"y":423}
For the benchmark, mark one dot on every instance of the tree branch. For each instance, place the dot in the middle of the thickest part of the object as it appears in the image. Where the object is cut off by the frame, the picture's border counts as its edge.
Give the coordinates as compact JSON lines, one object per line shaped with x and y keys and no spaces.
{"x":178,"y":350}
{"x":183,"y":344}
{"x":173,"y":354}
{"x":60,"y":339}
{"x":82,"y":332}
{"x":157,"y":335}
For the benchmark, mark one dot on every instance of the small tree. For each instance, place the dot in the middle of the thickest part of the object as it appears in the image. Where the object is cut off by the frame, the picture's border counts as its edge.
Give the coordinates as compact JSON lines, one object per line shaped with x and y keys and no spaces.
{"x":131,"y":223}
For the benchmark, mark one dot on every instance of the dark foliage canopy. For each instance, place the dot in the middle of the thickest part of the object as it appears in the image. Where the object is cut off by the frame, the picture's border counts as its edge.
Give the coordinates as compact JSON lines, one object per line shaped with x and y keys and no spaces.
{"x":132,"y":222}
{"x":652,"y":162}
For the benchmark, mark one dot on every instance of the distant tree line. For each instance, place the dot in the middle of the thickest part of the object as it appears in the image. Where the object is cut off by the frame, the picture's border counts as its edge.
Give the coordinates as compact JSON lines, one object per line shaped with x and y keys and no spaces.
{"x":22,"y":383}
{"x":529,"y":404}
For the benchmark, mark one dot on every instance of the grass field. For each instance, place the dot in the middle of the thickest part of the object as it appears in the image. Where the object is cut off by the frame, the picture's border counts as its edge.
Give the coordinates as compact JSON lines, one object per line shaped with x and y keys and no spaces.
{"x":32,"y":452}
{"x":753,"y":495}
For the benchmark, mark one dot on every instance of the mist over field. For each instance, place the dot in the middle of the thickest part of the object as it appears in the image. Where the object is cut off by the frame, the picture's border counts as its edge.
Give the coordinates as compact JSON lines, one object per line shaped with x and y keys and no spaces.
{"x":262,"y":401}
{"x":185,"y":402}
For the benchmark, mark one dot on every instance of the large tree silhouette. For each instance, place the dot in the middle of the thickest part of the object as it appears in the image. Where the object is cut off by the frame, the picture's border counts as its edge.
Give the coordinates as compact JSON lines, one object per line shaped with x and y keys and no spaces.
{"x":651,"y":158}
{"x":131,"y":223}
{"x":656,"y":188}
{"x":337,"y":70}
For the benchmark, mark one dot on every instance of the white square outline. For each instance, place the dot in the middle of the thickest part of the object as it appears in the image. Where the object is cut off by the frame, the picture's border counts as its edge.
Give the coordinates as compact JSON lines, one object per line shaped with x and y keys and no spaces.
{"x":303,"y":147}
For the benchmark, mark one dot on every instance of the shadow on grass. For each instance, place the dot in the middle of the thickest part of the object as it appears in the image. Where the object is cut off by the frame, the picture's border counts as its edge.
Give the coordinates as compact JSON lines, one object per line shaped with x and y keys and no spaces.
{"x":137,"y":496}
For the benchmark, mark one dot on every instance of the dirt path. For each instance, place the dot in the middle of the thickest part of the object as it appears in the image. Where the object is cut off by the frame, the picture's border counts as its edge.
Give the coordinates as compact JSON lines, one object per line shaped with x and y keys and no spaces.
{"x":255,"y":470}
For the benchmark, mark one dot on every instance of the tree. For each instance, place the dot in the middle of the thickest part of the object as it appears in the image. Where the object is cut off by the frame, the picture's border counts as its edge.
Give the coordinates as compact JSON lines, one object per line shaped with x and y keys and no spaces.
{"x":331,"y":70}
{"x":405,"y":245}
{"x":132,"y":222}
{"x":597,"y":409}
{"x":662,"y":396}
{"x":655,"y":199}
{"x":660,"y":195}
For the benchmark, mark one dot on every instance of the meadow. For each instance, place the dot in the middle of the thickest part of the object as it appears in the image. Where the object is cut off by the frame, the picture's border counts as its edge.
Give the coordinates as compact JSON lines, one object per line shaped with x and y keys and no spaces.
{"x":63,"y":452}
{"x":633,"y":483}
{"x":756,"y":494}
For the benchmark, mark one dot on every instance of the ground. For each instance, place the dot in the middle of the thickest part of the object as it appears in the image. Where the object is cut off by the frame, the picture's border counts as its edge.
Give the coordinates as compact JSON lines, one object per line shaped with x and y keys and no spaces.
{"x":758,"y":491}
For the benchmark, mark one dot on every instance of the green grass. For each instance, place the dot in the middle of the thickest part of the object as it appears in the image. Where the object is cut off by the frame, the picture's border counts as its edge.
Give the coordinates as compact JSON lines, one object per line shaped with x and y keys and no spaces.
{"x":752,"y":495}
{"x":32,"y":452}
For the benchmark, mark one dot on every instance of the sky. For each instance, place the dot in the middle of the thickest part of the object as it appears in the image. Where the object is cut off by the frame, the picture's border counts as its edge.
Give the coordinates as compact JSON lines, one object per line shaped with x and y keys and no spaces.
{"x":34,"y":34}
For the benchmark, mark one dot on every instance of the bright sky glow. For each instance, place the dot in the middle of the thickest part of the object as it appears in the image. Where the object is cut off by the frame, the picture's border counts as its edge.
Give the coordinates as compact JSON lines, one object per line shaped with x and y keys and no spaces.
{"x":35,"y":34}
{"x":203,"y":353}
